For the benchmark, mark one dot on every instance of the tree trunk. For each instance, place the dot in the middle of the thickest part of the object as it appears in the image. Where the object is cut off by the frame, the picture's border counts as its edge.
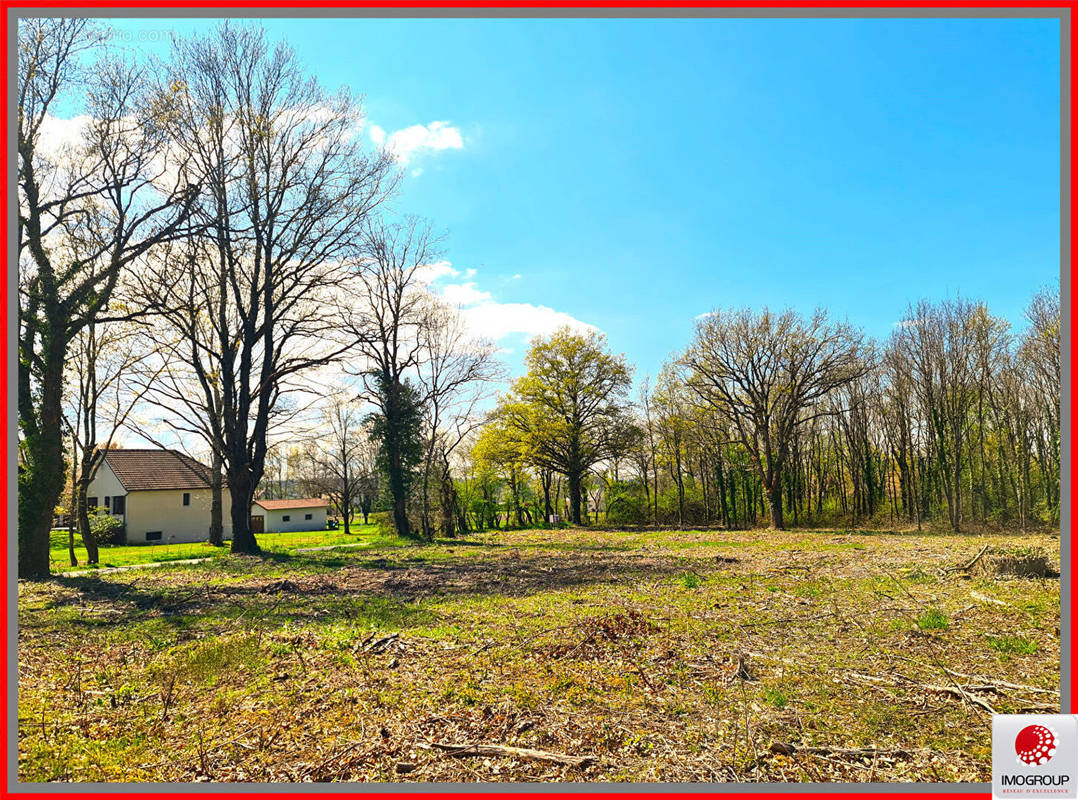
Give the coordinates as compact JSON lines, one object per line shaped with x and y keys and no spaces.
{"x":548,"y":509}
{"x":41,"y":479}
{"x":72,"y":518}
{"x":400,"y":514}
{"x":83,"y":511}
{"x":216,"y":503}
{"x":243,"y":540}
{"x":574,"y":497}
{"x":774,"y":501}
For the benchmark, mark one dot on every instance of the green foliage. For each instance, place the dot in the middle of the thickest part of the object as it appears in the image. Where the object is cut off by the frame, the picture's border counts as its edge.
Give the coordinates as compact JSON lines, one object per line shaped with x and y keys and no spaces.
{"x":933,"y":620}
{"x":383,"y":523}
{"x":690,"y":580}
{"x":776,"y":697}
{"x":1012,"y":645}
{"x":569,"y":411}
{"x":397,"y":427}
{"x":103,"y":526}
{"x":626,"y":503}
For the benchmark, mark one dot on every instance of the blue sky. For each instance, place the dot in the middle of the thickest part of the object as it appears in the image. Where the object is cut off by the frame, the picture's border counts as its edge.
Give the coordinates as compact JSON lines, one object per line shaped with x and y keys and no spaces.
{"x":635,"y":174}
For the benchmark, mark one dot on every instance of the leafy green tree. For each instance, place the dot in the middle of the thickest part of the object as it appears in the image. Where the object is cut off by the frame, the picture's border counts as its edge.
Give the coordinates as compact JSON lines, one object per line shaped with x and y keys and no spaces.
{"x":568,"y":412}
{"x":500,"y":450}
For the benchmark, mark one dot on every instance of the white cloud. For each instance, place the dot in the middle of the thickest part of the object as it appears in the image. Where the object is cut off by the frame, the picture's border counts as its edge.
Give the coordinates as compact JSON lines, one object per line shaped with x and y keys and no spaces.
{"x":58,"y":134}
{"x":429,"y":273}
{"x":465,"y":294}
{"x":489,"y":319}
{"x":496,"y":320}
{"x":707,"y":314}
{"x":417,"y":172}
{"x":486,"y":317}
{"x":407,"y":142}
{"x":516,"y":277}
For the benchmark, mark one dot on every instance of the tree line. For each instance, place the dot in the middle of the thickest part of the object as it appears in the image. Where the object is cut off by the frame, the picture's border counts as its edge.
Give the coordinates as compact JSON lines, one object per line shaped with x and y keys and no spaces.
{"x":772,"y":418}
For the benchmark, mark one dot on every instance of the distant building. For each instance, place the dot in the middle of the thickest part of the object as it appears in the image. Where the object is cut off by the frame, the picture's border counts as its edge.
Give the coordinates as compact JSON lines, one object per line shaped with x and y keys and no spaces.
{"x":281,"y":516}
{"x":160,"y":496}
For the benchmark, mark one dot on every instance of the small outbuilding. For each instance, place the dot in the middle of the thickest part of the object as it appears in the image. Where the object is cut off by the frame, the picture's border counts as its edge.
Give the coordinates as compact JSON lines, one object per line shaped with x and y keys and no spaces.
{"x":283,"y":516}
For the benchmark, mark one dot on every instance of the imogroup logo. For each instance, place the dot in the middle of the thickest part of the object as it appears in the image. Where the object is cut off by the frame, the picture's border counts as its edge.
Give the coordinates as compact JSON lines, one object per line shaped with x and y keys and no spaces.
{"x":1034,"y":756}
{"x":1035,"y":744}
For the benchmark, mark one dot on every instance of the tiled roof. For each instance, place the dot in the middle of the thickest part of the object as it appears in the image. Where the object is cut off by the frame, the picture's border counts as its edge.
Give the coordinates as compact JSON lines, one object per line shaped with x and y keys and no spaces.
{"x":141,"y":470}
{"x":279,"y":505}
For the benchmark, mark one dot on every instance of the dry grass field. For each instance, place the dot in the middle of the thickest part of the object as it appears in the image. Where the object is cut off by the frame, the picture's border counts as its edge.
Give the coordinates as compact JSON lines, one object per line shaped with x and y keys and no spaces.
{"x":604,"y":656}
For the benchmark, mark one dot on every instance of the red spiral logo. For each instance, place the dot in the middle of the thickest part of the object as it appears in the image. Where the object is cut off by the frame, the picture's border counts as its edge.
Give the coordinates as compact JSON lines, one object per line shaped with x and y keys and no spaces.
{"x":1035,"y":745}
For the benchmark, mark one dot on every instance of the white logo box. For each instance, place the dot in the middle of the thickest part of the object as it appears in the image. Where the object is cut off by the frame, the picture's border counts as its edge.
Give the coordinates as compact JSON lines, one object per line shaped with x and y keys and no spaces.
{"x":1034,"y":755}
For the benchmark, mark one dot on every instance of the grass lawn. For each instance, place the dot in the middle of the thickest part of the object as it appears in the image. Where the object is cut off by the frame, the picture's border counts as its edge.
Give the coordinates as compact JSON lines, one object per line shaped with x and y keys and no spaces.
{"x":676,"y":656}
{"x":126,"y":555}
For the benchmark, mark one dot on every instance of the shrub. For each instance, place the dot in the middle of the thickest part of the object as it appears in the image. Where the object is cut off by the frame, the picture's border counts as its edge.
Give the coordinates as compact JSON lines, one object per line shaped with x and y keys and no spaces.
{"x":104,"y":528}
{"x":383,"y":523}
{"x":627,"y":508}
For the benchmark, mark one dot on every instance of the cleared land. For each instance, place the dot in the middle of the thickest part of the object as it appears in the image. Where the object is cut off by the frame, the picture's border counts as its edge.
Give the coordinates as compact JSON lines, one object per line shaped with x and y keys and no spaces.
{"x":674,"y":656}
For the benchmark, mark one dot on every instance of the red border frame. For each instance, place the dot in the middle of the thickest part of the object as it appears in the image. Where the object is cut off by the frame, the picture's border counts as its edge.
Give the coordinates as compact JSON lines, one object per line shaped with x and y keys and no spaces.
{"x":253,"y":5}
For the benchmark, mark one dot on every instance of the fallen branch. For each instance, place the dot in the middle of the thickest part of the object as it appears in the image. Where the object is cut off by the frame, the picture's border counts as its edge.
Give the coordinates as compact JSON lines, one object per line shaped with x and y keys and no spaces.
{"x":961,"y":692}
{"x":972,"y":563}
{"x":380,"y":644}
{"x":786,"y":749}
{"x":958,"y":691}
{"x":1000,"y":684}
{"x":466,"y":750}
{"x":986,"y":599}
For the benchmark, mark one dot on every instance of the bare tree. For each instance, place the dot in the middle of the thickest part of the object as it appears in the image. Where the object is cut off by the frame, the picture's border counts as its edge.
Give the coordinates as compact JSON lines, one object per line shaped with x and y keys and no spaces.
{"x":454,"y":370}
{"x":673,"y":423}
{"x":107,"y":370}
{"x":287,"y":190}
{"x":86,"y":212}
{"x":1040,"y":354}
{"x":767,"y":373}
{"x":940,"y":340}
{"x":335,"y":456}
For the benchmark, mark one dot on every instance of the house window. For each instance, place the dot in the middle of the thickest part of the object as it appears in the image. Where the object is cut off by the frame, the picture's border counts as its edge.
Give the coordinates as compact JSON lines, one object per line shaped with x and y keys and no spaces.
{"x":287,"y":518}
{"x":308,"y":516}
{"x":153,"y":536}
{"x":91,"y":503}
{"x":187,"y":498}
{"x":107,"y":498}
{"x":119,"y":504}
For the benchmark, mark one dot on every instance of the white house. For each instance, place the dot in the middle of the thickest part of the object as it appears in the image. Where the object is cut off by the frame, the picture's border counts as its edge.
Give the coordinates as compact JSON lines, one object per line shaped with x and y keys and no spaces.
{"x":280,"y":516}
{"x":160,"y":496}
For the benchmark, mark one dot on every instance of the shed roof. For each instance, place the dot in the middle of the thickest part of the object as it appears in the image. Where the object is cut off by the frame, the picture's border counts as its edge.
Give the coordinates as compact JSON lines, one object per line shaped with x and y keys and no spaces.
{"x":280,"y":505}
